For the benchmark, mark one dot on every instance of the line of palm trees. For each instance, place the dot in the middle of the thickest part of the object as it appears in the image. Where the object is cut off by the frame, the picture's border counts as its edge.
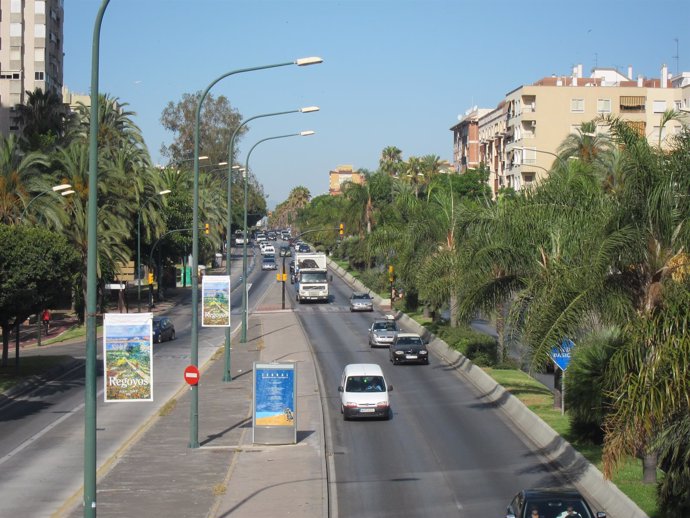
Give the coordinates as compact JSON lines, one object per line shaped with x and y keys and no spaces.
{"x":597,"y":253}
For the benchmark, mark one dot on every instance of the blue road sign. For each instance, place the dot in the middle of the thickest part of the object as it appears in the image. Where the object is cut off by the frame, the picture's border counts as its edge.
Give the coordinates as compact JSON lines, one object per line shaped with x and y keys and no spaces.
{"x":561,"y":354}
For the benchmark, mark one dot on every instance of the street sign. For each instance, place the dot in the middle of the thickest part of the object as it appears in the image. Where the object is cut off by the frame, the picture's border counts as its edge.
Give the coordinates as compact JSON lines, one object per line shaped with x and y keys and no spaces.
{"x":191,"y":375}
{"x":561,"y":354}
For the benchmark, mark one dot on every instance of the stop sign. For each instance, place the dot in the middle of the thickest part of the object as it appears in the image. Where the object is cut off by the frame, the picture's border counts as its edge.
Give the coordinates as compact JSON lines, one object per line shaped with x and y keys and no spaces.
{"x":191,"y":375}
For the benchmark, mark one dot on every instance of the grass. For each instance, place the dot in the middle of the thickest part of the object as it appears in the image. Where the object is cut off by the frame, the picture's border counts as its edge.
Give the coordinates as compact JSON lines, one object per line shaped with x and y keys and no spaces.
{"x":28,"y":366}
{"x":539,"y":400}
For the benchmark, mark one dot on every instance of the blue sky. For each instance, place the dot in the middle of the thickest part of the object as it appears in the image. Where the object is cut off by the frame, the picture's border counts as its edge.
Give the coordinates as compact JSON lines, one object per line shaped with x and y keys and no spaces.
{"x":395,"y":72}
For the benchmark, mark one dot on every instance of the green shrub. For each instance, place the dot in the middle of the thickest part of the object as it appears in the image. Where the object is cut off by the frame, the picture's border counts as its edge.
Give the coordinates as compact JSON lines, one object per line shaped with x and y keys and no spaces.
{"x":481,"y":349}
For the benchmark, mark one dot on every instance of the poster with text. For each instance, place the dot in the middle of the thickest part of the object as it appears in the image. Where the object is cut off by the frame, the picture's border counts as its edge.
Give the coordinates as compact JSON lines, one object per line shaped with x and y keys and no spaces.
{"x":215,"y":301}
{"x":274,"y":395}
{"x":127,"y":355}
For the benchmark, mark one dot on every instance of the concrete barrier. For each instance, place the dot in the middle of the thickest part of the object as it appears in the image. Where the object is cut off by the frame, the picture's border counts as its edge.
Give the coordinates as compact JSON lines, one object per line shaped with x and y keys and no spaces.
{"x":604,"y":495}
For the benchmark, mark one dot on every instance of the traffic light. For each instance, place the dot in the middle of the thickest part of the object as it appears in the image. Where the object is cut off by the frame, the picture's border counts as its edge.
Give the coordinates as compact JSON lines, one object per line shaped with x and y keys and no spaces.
{"x":207,"y":228}
{"x":342,"y":229}
{"x":150,"y":278}
{"x":391,"y":275}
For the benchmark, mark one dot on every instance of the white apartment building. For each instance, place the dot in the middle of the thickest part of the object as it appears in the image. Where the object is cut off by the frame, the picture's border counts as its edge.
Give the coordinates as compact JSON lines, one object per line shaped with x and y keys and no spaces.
{"x":519,"y":139}
{"x":31,"y":53}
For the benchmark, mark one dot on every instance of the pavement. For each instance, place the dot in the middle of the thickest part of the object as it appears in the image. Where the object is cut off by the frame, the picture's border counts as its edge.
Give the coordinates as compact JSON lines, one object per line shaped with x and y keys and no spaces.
{"x":156,"y":474}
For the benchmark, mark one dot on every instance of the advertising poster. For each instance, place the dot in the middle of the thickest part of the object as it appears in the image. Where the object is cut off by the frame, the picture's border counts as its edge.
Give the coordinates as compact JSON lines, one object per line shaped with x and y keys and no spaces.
{"x":215,"y":301}
{"x":274,"y":394}
{"x":127,"y":355}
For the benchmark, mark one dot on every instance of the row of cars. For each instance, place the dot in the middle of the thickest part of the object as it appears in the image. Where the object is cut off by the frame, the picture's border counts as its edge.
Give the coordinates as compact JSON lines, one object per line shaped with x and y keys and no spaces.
{"x":402,"y":347}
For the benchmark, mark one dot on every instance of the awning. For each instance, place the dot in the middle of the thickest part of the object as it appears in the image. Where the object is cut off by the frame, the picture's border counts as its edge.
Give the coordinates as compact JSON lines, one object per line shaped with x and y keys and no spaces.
{"x":632,"y":101}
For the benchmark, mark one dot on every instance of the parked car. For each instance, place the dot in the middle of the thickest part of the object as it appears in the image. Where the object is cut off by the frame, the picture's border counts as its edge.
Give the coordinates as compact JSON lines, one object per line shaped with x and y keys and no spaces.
{"x":408,"y":348}
{"x":361,"y":302}
{"x":163,"y":329}
{"x":364,"y":392}
{"x":550,"y":503}
{"x":382,"y":332}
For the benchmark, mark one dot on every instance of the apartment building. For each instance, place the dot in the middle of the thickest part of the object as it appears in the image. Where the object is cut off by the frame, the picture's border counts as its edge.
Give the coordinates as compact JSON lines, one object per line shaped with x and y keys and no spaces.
{"x":518,"y":140}
{"x":340,"y":176}
{"x":31,"y":53}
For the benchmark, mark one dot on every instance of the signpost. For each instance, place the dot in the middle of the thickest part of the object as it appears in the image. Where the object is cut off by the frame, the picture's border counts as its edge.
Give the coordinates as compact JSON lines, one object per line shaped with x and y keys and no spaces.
{"x":561,"y":357}
{"x":191,"y":375}
{"x":274,"y":398}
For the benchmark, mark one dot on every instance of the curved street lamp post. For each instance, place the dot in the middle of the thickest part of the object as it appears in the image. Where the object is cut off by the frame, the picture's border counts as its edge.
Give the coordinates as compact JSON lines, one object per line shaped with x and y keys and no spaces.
{"x":194,"y":405}
{"x":64,"y":189}
{"x":245,"y":297}
{"x":227,"y":375}
{"x":138,"y":270}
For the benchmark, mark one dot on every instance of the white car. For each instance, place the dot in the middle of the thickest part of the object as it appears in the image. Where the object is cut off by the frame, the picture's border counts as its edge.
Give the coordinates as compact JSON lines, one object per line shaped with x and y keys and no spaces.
{"x":364,"y":392}
{"x":268,"y":249}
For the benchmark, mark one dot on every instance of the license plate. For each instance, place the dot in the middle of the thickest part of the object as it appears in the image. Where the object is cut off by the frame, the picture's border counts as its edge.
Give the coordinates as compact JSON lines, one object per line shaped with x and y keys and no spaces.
{"x":410,"y":357}
{"x":367,"y":410}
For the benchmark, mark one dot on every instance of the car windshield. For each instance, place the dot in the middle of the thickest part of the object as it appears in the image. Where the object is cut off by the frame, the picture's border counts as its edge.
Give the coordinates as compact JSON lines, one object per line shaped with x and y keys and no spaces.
{"x":385,"y":326}
{"x":409,"y":340}
{"x":557,"y":508}
{"x":313,"y":277}
{"x":365,"y":384}
{"x":361,"y":297}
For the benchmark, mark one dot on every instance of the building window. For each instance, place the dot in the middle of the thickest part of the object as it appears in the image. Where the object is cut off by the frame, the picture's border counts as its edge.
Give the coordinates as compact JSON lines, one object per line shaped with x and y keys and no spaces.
{"x":677,"y":105}
{"x":39,"y":55}
{"x":15,"y":54}
{"x":39,"y":76}
{"x":577,"y":105}
{"x":604,"y":106}
{"x":632,"y":103}
{"x":659,"y":106}
{"x":16,"y":6}
{"x":40,"y":30}
{"x":40,"y":7}
{"x":16,"y":30}
{"x":639,"y":126}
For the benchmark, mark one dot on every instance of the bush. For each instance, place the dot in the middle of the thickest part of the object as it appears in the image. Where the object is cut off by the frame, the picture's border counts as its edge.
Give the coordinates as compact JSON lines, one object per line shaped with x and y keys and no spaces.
{"x":481,"y":349}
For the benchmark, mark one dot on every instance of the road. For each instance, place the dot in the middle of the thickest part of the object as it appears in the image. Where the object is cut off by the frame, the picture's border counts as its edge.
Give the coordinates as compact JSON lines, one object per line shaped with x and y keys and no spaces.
{"x":444,"y":453}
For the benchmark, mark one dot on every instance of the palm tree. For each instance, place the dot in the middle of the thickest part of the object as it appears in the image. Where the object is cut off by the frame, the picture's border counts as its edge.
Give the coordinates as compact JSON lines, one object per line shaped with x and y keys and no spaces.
{"x":360,"y":214}
{"x":586,"y":145}
{"x":43,"y":120}
{"x":391,"y":161}
{"x":21,"y":179}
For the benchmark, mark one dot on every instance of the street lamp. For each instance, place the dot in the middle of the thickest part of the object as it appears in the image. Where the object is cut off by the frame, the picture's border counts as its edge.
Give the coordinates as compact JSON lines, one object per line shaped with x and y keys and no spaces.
{"x":90,"y":390}
{"x":245,"y":297}
{"x":64,"y":189}
{"x":194,"y":404}
{"x":138,"y":270}
{"x":227,"y":375}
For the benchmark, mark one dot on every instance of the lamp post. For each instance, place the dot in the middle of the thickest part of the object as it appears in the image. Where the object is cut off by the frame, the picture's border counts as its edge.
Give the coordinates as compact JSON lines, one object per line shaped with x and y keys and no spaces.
{"x":138,"y":270}
{"x":194,"y":404}
{"x":227,"y":375}
{"x":64,"y":189}
{"x":245,"y":297}
{"x":89,"y":501}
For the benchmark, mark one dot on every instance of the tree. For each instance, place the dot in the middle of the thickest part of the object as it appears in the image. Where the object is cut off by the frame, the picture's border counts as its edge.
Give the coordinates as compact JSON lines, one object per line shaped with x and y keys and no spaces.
{"x":217,"y":123}
{"x":43,"y":121}
{"x":586,"y":145}
{"x":391,"y":161}
{"x":37,"y":267}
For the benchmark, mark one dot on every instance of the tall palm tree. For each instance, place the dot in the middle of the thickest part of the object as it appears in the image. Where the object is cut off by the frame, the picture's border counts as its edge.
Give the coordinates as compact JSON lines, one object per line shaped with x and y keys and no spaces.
{"x":586,"y":145}
{"x":360,"y":216}
{"x":43,"y":121}
{"x":21,"y":179}
{"x":391,"y":161}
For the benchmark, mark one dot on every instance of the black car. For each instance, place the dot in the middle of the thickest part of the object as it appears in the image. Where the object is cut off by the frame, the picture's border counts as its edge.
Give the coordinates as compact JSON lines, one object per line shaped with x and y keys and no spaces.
{"x":550,"y":503}
{"x":163,"y":329}
{"x":285,"y":251}
{"x":408,"y":348}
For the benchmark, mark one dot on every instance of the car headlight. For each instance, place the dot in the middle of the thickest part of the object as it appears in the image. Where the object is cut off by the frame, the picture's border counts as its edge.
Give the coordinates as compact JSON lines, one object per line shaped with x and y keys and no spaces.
{"x":399,"y":352}
{"x":423,"y":352}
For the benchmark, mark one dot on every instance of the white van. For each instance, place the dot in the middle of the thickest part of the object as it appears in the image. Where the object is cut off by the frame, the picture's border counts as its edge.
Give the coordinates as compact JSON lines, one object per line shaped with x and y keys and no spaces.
{"x":364,"y":392}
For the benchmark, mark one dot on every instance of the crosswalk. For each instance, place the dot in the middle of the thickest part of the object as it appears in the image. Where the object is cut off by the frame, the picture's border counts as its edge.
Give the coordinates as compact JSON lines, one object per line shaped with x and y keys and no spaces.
{"x":307,"y":308}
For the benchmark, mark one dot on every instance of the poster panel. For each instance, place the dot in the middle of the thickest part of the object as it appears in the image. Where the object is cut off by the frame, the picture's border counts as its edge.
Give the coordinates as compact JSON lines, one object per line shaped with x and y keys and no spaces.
{"x":127,"y":357}
{"x":215,"y":301}
{"x":274,"y":403}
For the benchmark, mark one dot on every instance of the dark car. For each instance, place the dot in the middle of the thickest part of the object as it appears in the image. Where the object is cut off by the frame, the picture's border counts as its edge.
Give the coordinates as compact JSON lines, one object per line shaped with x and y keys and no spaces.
{"x":361,"y":302}
{"x":550,"y":503}
{"x":284,"y":251}
{"x":163,"y":329}
{"x":408,"y":348}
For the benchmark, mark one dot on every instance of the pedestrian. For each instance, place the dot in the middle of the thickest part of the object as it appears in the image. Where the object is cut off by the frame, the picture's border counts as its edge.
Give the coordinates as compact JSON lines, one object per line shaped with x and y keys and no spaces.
{"x":45,"y":318}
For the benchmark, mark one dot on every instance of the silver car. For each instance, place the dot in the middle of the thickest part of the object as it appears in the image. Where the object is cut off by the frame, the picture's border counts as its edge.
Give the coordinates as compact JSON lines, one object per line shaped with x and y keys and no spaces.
{"x":361,"y":302}
{"x":382,"y":332}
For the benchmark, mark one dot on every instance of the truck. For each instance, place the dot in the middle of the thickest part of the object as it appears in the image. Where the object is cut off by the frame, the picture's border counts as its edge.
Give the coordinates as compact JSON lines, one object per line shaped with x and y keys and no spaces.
{"x":311,"y":276}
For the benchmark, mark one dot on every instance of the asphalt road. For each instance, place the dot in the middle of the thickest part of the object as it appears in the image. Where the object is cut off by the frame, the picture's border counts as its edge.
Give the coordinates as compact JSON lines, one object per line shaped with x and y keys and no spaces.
{"x":443,"y":453}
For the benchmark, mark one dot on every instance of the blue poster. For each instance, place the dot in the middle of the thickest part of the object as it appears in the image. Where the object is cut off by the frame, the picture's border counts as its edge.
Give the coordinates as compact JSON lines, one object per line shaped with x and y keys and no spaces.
{"x":274,"y":395}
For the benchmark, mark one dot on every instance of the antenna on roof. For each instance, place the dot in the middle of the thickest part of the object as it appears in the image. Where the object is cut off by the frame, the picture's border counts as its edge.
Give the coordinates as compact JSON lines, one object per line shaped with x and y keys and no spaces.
{"x":677,"y":57}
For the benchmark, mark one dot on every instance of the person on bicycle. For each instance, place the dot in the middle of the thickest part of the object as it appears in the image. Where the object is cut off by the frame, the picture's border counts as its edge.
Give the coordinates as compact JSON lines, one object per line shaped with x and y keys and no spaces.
{"x":45,"y":317}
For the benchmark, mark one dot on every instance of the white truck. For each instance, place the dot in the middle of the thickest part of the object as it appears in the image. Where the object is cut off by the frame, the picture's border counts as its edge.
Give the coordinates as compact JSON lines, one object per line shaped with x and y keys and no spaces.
{"x":311,"y":276}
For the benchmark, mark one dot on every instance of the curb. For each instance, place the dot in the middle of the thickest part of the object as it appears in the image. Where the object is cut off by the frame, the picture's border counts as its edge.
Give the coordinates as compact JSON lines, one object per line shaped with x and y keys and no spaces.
{"x":549,"y":444}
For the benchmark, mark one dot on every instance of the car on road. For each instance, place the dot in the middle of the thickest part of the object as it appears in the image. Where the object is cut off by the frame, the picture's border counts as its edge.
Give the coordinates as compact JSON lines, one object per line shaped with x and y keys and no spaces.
{"x":364,"y":392}
{"x":284,"y":251}
{"x":382,"y":332}
{"x":268,"y":262}
{"x":408,"y":348}
{"x":163,"y":329}
{"x":550,"y":503}
{"x":361,"y":302}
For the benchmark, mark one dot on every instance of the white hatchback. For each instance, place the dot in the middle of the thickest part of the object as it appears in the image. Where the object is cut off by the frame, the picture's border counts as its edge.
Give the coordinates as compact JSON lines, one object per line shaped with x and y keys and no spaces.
{"x":364,"y":392}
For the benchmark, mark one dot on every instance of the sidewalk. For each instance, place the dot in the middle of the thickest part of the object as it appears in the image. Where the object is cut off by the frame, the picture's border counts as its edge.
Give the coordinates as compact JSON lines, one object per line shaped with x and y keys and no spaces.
{"x":158,"y":475}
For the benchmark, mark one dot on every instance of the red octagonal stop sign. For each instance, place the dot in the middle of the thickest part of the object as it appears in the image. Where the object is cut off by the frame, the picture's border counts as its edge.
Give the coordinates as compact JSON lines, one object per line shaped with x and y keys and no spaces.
{"x":191,"y":375}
